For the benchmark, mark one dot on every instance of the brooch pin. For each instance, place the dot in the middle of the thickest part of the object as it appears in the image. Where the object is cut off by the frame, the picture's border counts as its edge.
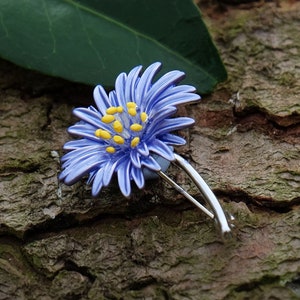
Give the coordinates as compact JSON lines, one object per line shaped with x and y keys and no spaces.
{"x":129,"y":133}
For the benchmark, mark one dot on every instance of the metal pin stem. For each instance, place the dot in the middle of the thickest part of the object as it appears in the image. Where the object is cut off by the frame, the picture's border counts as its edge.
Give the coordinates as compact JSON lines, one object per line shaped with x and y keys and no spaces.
{"x":179,"y":189}
{"x":207,"y":193}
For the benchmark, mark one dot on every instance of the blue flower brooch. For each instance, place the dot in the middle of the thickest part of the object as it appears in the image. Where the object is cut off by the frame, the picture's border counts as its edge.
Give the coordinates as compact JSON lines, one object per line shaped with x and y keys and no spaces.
{"x":130,"y":133}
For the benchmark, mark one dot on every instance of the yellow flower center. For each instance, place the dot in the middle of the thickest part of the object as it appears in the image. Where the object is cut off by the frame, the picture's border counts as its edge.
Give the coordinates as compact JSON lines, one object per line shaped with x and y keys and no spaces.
{"x":102,"y":134}
{"x":143,"y":117}
{"x":118,"y":127}
{"x":110,"y":149}
{"x":136,"y":127}
{"x":108,"y":119}
{"x":118,"y":139}
{"x":126,"y":127}
{"x":134,"y":142}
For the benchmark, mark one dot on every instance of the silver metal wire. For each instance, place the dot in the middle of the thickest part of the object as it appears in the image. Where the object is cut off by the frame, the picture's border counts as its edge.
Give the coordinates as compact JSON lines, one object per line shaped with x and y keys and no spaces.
{"x":218,"y":214}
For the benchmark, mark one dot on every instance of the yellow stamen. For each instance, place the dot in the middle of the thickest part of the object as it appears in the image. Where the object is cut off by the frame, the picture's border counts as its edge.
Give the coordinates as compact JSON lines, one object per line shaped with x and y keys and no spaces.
{"x":110,"y":149}
{"x":135,"y":141}
{"x":118,"y":127}
{"x":131,"y":105}
{"x":100,"y":133}
{"x":112,"y":110}
{"x":108,"y":119}
{"x":132,"y":111}
{"x":120,"y":109}
{"x":136,"y":127}
{"x":143,"y":117}
{"x":118,"y":139}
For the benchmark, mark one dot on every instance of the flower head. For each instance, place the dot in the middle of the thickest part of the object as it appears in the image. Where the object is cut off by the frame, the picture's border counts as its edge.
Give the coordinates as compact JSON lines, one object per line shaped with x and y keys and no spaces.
{"x":128,"y":130}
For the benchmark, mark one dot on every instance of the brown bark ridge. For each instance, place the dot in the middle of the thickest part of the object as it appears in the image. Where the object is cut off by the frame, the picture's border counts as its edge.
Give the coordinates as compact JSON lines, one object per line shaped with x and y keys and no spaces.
{"x":57,"y":242}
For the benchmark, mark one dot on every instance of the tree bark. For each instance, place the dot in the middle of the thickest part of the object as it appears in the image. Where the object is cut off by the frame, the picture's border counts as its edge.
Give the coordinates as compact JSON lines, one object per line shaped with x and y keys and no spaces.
{"x":57,"y":242}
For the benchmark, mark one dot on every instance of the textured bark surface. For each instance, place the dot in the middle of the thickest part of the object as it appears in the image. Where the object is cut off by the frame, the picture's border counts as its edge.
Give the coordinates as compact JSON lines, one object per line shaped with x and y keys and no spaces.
{"x":57,"y":242}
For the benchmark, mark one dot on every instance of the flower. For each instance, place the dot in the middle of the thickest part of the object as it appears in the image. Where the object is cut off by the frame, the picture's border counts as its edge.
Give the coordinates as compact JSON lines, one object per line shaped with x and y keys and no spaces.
{"x":128,"y":131}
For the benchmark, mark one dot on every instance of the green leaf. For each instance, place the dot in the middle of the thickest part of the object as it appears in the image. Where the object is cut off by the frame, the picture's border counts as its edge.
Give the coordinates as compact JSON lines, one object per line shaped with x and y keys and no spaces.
{"x":92,"y":41}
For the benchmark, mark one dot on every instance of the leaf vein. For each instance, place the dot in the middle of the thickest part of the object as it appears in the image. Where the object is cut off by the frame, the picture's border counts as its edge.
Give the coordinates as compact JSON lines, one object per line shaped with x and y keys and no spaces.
{"x":140,"y":35}
{"x":50,"y":27}
{"x":90,"y":42}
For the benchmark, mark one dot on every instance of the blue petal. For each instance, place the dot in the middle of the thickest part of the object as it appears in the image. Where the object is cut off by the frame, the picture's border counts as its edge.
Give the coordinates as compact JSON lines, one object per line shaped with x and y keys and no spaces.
{"x":150,"y":163}
{"x":88,"y":116}
{"x":120,"y":89}
{"x":135,"y":158}
{"x":138,"y":177}
{"x":108,"y":171}
{"x":75,"y":160}
{"x":176,"y":90}
{"x":164,"y":164}
{"x":169,"y":125}
{"x":143,"y":149}
{"x":75,"y":144}
{"x":145,"y":83}
{"x":85,"y":125}
{"x":166,"y":81}
{"x":124,"y":177}
{"x":114,"y":98}
{"x":80,"y":151}
{"x":175,"y":99}
{"x":161,"y":149}
{"x":97,"y":183}
{"x":131,"y":84}
{"x":81,"y":131}
{"x":157,"y":117}
{"x":83,"y":168}
{"x":101,"y":99}
{"x":82,"y":127}
{"x":172,"y":139}
{"x":91,"y":176}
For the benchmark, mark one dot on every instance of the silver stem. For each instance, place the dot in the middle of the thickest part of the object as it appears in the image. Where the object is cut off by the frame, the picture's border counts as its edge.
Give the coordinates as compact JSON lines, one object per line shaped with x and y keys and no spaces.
{"x":207,"y":193}
{"x":179,"y":189}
